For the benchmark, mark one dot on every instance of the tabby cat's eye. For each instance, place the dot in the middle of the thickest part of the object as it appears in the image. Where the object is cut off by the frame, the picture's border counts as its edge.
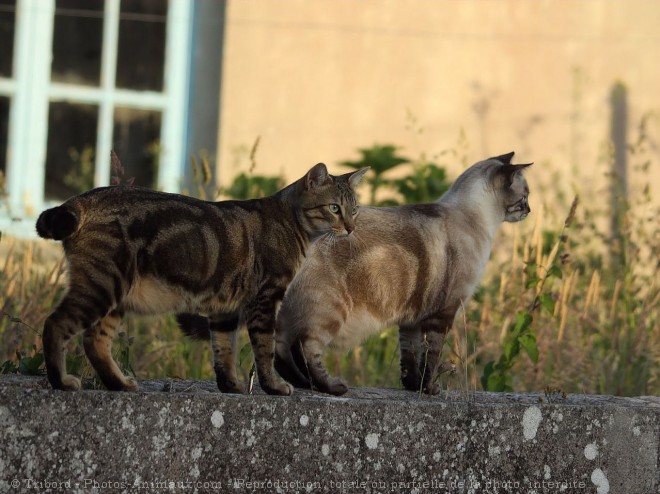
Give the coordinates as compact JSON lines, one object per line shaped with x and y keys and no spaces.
{"x":334,"y":208}
{"x":355,"y":209}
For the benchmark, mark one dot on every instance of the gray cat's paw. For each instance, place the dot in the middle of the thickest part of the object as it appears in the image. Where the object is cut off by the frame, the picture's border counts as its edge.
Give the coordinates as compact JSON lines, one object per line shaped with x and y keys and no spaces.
{"x":447,"y":367}
{"x":70,"y":383}
{"x":333,"y":386}
{"x":337,"y":388}
{"x":129,"y":384}
{"x":411,"y":381}
{"x":432,"y":389}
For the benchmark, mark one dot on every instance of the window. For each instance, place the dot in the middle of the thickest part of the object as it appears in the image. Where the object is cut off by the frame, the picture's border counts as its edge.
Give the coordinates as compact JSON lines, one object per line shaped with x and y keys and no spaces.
{"x":70,"y":149}
{"x":84,"y":77}
{"x":7,"y":20}
{"x":77,"y":42}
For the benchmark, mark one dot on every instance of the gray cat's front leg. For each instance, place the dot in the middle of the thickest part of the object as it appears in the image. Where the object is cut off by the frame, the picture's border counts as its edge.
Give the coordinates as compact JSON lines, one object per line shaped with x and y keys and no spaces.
{"x":434,"y":329}
{"x":322,"y":380}
{"x":410,"y":345}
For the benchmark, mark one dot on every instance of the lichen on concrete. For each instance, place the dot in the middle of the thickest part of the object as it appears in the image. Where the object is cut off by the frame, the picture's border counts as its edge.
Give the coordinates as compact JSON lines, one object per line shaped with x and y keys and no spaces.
{"x":186,"y":436}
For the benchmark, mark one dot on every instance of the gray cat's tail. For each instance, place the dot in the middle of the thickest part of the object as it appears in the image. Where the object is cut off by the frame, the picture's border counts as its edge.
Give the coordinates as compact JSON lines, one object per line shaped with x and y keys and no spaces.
{"x":291,"y":365}
{"x":195,"y":326}
{"x":57,"y":223}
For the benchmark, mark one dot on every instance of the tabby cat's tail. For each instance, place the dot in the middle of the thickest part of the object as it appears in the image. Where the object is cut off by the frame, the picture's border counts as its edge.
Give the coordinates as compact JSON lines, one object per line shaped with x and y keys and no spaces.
{"x":57,"y":223}
{"x":195,"y":326}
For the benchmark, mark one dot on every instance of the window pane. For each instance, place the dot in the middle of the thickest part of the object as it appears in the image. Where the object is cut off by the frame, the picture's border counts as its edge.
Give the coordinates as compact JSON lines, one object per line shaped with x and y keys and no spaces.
{"x":141,"y":52}
{"x":7,"y":16}
{"x":136,"y":140}
{"x":77,"y":40}
{"x":71,"y":149}
{"x":4,"y":131}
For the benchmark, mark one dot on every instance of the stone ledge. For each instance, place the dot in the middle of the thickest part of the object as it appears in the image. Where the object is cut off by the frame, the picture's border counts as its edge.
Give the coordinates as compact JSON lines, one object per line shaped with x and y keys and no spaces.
{"x":181,"y":436}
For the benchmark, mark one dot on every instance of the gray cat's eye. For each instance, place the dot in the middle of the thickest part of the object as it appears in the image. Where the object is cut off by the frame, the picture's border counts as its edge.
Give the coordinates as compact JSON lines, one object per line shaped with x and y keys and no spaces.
{"x":355,"y":210}
{"x":334,"y":208}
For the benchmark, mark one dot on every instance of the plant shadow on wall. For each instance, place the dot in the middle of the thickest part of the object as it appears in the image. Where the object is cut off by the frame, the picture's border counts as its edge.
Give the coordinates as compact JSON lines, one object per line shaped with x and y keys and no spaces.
{"x":566,"y":306}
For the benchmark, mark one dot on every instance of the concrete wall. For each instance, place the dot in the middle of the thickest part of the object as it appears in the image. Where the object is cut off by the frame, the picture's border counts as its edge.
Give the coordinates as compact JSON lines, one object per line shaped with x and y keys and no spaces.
{"x":185,"y":437}
{"x":316,"y":80}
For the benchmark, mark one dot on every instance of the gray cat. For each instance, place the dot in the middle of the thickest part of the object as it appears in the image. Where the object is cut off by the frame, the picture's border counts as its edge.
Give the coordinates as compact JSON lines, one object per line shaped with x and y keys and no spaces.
{"x":413,"y":266}
{"x":131,"y":249}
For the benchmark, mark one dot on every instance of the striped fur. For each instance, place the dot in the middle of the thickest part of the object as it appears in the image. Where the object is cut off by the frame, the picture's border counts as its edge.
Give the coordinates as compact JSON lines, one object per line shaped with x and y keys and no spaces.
{"x":136,"y":250}
{"x":411,"y":266}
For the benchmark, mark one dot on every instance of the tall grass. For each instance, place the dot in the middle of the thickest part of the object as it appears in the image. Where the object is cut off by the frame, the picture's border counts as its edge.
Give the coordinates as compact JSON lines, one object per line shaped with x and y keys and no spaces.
{"x":596,"y":328}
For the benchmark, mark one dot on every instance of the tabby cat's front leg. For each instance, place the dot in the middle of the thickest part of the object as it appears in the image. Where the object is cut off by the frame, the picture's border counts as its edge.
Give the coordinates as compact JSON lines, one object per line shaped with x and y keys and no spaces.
{"x":224,"y":329}
{"x":260,"y":320}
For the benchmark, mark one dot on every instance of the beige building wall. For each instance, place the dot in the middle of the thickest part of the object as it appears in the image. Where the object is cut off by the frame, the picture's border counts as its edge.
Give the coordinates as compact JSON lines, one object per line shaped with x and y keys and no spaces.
{"x":316,"y":80}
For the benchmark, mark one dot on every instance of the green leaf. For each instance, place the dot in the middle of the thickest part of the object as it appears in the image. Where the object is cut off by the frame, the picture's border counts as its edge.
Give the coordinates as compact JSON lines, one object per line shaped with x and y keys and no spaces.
{"x":547,"y":303}
{"x":523,"y":322}
{"x":511,"y":349}
{"x":497,"y":382}
{"x":31,"y":366}
{"x":380,"y":158}
{"x":8,"y":367}
{"x":531,"y":281}
{"x":555,"y":271}
{"x":488,"y":370}
{"x":244,"y":353}
{"x":76,"y":362}
{"x":528,"y":342}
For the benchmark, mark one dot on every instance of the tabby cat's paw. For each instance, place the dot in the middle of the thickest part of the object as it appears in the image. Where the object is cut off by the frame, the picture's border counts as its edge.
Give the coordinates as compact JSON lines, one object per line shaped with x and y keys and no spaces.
{"x":231,"y":387}
{"x":280,"y":387}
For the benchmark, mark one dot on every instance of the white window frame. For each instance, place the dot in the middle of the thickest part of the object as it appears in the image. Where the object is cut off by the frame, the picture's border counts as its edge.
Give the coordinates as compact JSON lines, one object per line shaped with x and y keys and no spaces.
{"x":31,"y":91}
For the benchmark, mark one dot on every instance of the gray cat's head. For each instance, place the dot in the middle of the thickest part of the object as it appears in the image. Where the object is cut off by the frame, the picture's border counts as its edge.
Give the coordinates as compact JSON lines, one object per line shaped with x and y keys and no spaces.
{"x":511,"y":187}
{"x":495,"y":187}
{"x":327,"y":204}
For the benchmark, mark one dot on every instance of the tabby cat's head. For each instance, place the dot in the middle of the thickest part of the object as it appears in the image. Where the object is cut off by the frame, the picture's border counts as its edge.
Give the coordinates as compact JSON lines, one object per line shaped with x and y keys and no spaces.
{"x":327,"y":204}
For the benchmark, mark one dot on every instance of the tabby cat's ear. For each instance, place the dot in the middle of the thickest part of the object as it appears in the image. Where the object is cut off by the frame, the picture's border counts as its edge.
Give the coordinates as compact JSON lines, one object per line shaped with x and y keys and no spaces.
{"x":355,"y":177}
{"x":510,"y":171}
{"x":316,"y":177}
{"x":505,"y":159}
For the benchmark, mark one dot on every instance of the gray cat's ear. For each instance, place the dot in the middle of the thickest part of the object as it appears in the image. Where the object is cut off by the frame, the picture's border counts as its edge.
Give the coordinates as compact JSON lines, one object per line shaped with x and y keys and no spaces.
{"x":316,"y":177}
{"x":510,"y":171}
{"x":355,"y":177}
{"x":505,"y":159}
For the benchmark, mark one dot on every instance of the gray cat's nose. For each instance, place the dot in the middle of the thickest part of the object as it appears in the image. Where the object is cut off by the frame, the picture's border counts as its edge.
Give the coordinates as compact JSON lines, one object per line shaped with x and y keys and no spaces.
{"x":349,"y":229}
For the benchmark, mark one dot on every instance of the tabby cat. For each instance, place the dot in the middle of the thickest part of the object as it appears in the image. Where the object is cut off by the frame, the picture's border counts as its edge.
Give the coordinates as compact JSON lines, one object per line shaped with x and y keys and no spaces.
{"x":131,"y":249}
{"x":412,"y":265}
